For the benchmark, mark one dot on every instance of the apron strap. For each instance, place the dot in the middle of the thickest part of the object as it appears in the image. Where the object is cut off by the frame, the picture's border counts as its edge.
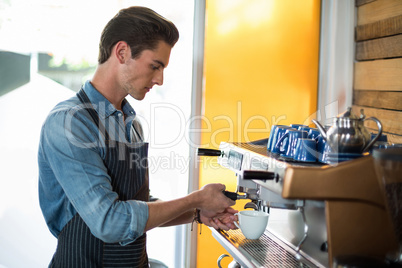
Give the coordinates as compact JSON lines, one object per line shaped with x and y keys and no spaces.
{"x":83,"y":97}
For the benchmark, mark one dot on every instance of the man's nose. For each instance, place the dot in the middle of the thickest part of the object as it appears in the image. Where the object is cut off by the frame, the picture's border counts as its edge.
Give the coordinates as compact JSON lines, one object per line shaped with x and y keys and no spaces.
{"x":158,"y":78}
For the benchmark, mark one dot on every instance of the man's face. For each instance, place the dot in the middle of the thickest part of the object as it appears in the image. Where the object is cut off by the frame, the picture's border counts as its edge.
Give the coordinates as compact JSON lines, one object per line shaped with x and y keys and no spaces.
{"x":141,"y":74}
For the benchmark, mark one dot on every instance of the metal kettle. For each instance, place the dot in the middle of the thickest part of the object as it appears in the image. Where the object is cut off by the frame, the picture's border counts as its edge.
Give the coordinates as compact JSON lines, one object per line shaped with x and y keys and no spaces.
{"x":348,"y":134}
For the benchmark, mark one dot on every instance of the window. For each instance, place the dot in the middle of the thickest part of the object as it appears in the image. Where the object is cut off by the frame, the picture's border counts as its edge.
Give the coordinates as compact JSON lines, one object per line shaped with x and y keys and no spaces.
{"x":68,"y":32}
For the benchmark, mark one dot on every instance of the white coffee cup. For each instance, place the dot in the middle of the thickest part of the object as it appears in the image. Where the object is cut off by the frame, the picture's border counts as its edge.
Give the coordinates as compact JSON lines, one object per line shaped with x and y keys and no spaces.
{"x":252,"y":223}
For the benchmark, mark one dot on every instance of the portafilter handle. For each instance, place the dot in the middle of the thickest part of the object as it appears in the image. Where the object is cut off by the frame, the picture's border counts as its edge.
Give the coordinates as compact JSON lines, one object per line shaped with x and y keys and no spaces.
{"x":235,"y":196}
{"x":208,"y":152}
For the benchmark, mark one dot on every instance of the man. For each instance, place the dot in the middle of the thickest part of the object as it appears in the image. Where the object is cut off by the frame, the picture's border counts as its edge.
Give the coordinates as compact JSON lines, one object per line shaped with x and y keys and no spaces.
{"x":93,"y":177}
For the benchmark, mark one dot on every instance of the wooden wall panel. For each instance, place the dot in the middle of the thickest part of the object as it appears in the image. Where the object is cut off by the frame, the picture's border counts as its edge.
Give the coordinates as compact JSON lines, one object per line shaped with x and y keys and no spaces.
{"x":363,"y":2}
{"x":391,"y":120}
{"x":385,"y":75}
{"x":378,"y":10}
{"x":377,"y":83}
{"x":387,"y":47}
{"x":392,"y":138}
{"x":386,"y":27}
{"x":378,"y":99}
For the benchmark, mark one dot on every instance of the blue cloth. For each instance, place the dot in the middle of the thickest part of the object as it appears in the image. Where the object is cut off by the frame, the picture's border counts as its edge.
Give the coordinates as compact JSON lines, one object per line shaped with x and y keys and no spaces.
{"x":72,"y":174}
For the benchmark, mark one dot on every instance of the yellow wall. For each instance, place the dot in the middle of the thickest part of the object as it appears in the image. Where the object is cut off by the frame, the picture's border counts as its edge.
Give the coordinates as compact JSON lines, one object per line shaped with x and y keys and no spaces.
{"x":261,"y":68}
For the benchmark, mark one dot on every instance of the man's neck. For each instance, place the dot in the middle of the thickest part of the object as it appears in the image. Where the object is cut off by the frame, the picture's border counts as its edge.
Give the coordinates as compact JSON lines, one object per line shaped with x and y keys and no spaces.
{"x":104,"y":81}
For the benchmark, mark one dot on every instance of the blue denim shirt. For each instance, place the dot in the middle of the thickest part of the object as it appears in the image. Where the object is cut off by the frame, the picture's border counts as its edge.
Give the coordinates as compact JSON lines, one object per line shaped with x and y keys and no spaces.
{"x":73,"y":177}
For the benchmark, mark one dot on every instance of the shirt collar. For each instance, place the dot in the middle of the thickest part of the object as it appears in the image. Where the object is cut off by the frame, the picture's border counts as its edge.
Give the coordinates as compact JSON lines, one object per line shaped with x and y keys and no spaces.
{"x":101,"y":105}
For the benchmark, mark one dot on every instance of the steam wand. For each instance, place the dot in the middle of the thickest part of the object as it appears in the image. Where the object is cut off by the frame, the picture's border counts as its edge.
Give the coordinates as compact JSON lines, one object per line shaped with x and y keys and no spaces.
{"x":301,"y":209}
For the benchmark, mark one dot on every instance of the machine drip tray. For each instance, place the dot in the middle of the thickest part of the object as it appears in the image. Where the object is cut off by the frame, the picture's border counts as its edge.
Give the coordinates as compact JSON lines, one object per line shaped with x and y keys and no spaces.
{"x":267,"y":251}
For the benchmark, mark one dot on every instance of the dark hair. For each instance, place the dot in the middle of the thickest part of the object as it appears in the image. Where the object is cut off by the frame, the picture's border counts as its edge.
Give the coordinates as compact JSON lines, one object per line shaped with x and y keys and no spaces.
{"x":140,"y":27}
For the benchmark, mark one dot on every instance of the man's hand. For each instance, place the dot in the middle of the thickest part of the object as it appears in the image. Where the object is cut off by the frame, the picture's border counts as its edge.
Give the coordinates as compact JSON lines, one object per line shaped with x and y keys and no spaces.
{"x":211,"y":198}
{"x":222,"y":220}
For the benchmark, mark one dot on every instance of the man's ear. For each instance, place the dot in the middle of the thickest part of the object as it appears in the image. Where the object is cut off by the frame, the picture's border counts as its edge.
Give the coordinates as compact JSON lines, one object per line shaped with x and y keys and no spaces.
{"x":122,"y":51}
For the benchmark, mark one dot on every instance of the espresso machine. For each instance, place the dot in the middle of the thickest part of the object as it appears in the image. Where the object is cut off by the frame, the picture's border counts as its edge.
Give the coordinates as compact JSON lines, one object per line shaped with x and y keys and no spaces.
{"x":319,"y":213}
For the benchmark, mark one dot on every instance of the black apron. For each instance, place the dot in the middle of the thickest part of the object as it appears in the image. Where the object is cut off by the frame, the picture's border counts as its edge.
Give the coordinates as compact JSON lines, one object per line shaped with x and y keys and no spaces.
{"x":76,"y":246}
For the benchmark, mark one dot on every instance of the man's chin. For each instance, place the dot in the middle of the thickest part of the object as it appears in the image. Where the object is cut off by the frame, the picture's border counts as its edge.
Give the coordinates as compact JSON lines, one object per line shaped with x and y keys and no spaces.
{"x":138,"y":97}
